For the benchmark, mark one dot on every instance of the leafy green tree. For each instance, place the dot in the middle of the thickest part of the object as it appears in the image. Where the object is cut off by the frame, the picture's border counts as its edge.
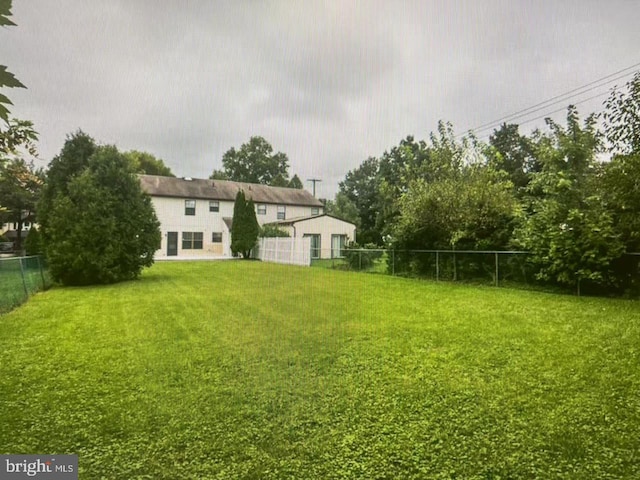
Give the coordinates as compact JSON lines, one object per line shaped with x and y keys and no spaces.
{"x":20,"y":187}
{"x":256,"y":162}
{"x":219,"y":175}
{"x":245,"y":228}
{"x":19,"y":137}
{"x":101,"y":227}
{"x":513,"y":153}
{"x":568,"y":228}
{"x":620,"y":187}
{"x":622,"y":118}
{"x":360,"y":189}
{"x":442,"y":157}
{"x":396,"y":168}
{"x":342,"y":207}
{"x":146,"y":163}
{"x":7,"y":79}
{"x":473,"y":209}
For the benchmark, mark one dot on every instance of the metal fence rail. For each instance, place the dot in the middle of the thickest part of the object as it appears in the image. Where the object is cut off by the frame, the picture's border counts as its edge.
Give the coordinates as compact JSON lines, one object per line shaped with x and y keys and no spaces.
{"x":489,"y":267}
{"x":21,"y":277}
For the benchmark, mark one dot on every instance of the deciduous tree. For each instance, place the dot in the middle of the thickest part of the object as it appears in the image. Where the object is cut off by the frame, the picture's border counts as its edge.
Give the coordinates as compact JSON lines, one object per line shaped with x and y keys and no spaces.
{"x":360,"y":189}
{"x":7,"y":79}
{"x":568,"y":228}
{"x":20,"y":187}
{"x":342,"y":207}
{"x":622,"y":118}
{"x":513,"y":153}
{"x":256,"y":162}
{"x":146,"y":163}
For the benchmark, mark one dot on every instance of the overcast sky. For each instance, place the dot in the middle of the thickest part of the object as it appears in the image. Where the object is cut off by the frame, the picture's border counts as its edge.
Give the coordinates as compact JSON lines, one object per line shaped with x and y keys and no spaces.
{"x":328,"y":83}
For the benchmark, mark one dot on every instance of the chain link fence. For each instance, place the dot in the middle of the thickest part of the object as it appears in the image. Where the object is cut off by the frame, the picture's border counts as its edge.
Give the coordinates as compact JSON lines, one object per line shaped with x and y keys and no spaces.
{"x":497,"y":268}
{"x":21,"y":277}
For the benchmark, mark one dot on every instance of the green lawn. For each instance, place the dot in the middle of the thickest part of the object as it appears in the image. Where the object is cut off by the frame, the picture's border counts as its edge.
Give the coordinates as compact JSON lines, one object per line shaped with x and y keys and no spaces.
{"x":223,"y":370}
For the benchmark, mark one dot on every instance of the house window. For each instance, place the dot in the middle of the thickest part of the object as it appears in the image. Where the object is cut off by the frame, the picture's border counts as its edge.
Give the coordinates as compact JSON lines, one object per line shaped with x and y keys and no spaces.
{"x":282,"y":212}
{"x":189,"y":207}
{"x":315,"y":245}
{"x":214,"y":206}
{"x":337,"y":245}
{"x":216,"y":237}
{"x":315,"y":211}
{"x":192,"y":240}
{"x":262,"y":209}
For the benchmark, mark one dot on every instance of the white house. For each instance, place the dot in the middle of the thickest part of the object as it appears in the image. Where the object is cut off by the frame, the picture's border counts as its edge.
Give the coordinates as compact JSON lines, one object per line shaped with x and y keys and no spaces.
{"x":328,"y":234}
{"x":9,"y":230}
{"x":196,"y":215}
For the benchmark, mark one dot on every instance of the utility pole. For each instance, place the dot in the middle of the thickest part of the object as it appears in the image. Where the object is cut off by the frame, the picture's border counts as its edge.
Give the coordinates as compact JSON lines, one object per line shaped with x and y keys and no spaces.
{"x":314,"y":181}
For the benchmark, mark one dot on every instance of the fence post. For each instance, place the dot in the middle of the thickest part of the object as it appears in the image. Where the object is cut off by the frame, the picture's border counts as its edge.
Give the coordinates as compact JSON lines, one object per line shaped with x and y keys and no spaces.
{"x":437,"y":266}
{"x":455,"y":268}
{"x":24,"y":282}
{"x":359,"y":260}
{"x":393,"y":262}
{"x":496,"y":254}
{"x":292,"y":244}
{"x":41,"y":272}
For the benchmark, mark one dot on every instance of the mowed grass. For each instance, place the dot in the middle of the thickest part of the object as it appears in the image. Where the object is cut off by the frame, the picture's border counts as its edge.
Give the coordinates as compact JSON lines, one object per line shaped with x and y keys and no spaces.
{"x":222,"y":370}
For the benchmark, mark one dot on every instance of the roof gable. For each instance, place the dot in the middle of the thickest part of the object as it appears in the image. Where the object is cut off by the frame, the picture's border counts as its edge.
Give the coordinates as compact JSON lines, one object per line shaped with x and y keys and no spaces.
{"x":292,"y":221}
{"x":158,"y":186}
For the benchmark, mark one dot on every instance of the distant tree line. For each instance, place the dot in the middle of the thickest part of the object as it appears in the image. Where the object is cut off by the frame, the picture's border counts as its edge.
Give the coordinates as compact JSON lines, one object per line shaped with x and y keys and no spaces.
{"x":547,"y":193}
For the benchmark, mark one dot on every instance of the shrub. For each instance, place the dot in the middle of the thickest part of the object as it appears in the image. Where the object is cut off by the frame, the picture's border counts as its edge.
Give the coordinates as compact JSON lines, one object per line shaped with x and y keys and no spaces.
{"x":361,"y":257}
{"x":271,"y":231}
{"x":101,"y":227}
{"x":33,"y":242}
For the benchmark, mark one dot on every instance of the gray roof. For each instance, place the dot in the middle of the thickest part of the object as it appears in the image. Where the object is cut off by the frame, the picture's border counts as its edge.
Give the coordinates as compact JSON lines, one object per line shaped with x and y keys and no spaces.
{"x":159,"y":186}
{"x":291,"y":221}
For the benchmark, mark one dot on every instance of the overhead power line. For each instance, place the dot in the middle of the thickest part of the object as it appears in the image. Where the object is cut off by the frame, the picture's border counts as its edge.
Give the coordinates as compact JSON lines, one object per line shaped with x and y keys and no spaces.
{"x":599,"y":83}
{"x":551,"y":104}
{"x":601,"y":94}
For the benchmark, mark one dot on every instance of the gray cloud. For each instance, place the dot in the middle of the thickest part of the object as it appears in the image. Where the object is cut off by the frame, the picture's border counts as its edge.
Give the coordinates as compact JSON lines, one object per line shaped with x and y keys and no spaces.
{"x":328,"y":83}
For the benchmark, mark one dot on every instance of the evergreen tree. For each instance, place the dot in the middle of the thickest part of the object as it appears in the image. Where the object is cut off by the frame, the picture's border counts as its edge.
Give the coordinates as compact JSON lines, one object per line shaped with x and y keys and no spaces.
{"x":101,"y":227}
{"x":33,"y":243}
{"x":245,"y":228}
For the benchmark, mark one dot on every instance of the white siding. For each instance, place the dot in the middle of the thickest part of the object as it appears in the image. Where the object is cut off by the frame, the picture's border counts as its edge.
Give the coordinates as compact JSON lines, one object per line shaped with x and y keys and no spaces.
{"x":324,"y":226}
{"x":292,"y":211}
{"x":171,"y":214}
